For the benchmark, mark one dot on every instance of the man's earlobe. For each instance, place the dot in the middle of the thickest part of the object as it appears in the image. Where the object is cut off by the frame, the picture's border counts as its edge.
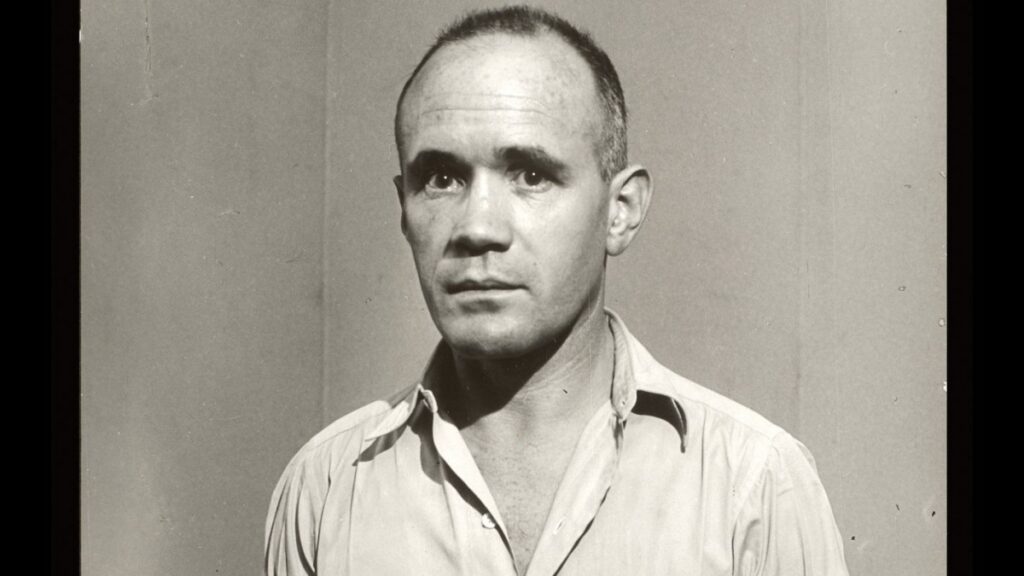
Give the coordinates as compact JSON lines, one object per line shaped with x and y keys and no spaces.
{"x":398,"y":180}
{"x":630,"y":191}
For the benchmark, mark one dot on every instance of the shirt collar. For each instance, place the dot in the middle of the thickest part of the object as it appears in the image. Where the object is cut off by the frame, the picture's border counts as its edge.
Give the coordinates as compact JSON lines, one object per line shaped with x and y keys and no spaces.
{"x":634,"y":390}
{"x":638,"y":382}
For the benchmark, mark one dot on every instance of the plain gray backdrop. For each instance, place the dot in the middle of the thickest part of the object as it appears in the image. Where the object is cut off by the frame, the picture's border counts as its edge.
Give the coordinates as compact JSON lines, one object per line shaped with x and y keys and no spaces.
{"x":245,"y":282}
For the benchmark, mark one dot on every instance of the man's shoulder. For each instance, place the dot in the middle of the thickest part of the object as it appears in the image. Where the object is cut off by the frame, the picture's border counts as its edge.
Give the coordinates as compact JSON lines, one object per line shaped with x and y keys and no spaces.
{"x":698,"y":402}
{"x":700,"y":405}
{"x":715,"y":407}
{"x":768,"y":477}
{"x":728,"y":422}
{"x":324,"y":461}
{"x":720,"y":430}
{"x":715,"y":423}
{"x":346,"y":434}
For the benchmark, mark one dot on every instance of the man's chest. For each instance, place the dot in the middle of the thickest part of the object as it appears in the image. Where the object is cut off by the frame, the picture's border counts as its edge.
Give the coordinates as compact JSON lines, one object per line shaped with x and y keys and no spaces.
{"x":442,"y":530}
{"x":523,"y":495}
{"x":399,"y":518}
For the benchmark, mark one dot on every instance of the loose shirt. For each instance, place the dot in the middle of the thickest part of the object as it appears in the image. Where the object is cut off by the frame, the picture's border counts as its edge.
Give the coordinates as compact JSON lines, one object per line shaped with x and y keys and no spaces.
{"x":668,"y":477}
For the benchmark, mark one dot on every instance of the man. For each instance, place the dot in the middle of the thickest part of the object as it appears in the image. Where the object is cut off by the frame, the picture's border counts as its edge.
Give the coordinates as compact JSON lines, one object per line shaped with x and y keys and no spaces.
{"x":542,"y":438}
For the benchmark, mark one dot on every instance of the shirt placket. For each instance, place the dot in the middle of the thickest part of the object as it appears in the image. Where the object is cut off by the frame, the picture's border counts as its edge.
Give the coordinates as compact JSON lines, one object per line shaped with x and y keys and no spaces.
{"x":584,"y":486}
{"x":452,"y":449}
{"x":591,"y":472}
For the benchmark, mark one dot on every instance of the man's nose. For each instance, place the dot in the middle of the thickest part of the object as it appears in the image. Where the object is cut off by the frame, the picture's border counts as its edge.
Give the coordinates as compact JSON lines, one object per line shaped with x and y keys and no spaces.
{"x":483,"y":225}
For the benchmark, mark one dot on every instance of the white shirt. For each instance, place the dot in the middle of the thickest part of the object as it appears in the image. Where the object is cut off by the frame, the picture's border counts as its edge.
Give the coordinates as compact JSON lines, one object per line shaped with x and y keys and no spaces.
{"x":667,"y":478}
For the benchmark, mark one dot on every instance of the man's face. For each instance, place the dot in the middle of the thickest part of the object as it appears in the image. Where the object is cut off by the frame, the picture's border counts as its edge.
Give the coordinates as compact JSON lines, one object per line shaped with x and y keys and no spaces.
{"x":503,"y":203}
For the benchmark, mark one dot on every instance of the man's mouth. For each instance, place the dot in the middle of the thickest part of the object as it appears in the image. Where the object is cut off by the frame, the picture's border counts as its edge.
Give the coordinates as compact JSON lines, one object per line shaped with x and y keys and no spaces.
{"x":480,"y":285}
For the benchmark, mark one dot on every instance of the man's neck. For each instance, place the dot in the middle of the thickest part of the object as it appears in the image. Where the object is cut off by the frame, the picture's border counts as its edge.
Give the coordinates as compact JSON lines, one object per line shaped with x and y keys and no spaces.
{"x":545,"y":394}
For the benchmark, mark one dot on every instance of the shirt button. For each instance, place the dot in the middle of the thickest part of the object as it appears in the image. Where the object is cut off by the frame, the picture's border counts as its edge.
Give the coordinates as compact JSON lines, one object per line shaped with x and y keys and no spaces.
{"x":487,"y":521}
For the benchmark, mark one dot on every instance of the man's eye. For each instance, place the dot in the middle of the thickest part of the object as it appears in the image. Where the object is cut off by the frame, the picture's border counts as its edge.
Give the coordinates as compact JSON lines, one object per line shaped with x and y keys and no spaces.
{"x":532,"y":179}
{"x":442,"y":181}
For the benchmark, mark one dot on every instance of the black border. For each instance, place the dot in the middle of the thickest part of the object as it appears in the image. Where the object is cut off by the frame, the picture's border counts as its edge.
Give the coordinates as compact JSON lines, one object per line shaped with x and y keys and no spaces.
{"x":960,"y":243}
{"x":65,"y":459}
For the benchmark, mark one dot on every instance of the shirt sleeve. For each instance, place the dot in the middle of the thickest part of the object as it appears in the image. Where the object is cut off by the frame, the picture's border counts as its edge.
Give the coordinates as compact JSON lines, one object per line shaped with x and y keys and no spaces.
{"x":785,"y":525}
{"x":293,"y":518}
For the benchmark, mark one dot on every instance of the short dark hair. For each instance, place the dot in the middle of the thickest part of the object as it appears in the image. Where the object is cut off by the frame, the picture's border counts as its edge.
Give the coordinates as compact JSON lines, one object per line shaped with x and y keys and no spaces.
{"x":528,"y":21}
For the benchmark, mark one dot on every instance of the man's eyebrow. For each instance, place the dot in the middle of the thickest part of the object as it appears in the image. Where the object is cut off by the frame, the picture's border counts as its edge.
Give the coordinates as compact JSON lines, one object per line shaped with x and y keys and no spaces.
{"x":427,"y":159}
{"x":534,"y":157}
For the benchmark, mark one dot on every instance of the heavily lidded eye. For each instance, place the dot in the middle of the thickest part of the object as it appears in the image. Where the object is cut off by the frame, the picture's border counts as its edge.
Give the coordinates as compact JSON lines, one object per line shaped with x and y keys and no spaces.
{"x":442,"y":181}
{"x":533,"y":179}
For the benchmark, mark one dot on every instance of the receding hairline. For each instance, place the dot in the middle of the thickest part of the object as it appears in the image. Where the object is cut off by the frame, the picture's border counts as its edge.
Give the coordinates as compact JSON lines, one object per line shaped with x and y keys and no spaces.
{"x":579,"y":67}
{"x":525,"y":22}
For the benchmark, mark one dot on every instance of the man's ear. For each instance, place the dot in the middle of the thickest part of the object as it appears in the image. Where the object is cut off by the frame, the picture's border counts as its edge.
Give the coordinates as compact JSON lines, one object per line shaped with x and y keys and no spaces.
{"x":401,"y":198}
{"x":630,"y":194}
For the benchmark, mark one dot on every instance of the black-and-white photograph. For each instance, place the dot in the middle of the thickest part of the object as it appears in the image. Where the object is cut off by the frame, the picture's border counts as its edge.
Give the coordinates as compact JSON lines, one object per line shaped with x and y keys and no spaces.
{"x":482,"y":288}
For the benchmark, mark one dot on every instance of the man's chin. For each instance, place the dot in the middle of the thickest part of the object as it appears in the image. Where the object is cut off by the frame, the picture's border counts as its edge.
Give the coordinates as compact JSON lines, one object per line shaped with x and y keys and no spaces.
{"x":488,"y":342}
{"x":487,"y":348}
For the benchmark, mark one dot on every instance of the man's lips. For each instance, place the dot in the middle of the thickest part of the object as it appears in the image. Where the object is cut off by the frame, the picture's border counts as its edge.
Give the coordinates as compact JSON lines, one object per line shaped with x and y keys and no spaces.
{"x":484,"y":284}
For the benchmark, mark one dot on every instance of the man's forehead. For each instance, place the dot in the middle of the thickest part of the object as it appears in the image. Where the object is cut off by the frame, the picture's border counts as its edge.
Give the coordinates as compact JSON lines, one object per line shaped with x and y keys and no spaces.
{"x":437,"y":103}
{"x":535,"y":74}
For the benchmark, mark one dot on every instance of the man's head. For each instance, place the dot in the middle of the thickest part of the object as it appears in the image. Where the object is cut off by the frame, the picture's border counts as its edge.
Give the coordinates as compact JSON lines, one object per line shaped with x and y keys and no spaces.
{"x":511,"y":194}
